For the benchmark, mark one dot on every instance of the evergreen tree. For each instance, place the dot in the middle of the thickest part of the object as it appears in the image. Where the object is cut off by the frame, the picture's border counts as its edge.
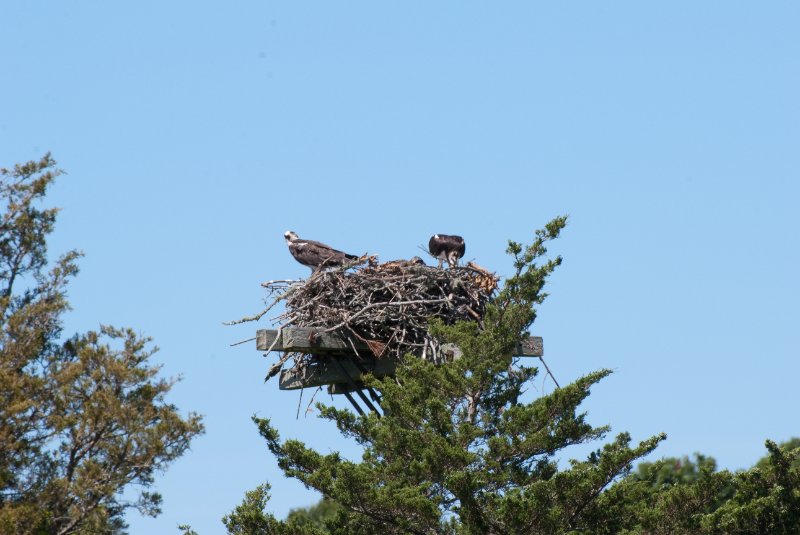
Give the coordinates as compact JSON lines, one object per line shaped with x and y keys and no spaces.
{"x":789,"y":446}
{"x":250,"y":517}
{"x":676,"y":498}
{"x":81,"y":420}
{"x":317,"y":515}
{"x":683,"y":496}
{"x":460,"y":448}
{"x":766,"y":498}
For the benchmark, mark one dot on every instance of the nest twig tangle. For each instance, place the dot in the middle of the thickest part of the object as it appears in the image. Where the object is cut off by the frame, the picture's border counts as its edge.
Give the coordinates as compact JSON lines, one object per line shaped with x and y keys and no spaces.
{"x":385,"y":307}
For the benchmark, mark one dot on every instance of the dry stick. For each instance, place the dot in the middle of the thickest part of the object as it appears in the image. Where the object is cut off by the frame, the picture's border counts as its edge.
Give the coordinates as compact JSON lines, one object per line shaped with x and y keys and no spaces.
{"x":281,"y":297}
{"x":299,"y":401}
{"x":373,"y":305}
{"x":277,"y":337}
{"x":243,"y":341}
{"x":254,"y":317}
{"x":353,"y":346}
{"x":275,"y":368}
{"x":279,"y":281}
{"x":549,"y":372}
{"x":308,"y":408}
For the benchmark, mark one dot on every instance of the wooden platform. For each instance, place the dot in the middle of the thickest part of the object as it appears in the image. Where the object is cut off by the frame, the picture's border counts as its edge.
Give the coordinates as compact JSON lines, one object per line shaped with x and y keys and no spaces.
{"x":335,"y":370}
{"x":341,"y":369}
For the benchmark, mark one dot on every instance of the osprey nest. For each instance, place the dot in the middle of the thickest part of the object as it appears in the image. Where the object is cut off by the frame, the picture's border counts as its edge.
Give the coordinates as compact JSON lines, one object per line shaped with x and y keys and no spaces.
{"x":386,"y":307}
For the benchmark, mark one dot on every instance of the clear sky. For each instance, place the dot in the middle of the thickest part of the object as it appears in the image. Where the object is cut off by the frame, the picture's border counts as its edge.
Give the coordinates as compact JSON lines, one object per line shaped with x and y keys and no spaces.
{"x":196,"y":133}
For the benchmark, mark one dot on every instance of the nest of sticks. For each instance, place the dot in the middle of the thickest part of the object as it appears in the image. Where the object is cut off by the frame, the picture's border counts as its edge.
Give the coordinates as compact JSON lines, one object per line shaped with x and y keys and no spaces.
{"x":385,"y":307}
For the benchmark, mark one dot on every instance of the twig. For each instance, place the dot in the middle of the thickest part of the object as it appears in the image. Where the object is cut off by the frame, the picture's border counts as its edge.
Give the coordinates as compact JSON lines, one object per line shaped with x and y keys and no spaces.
{"x":275,"y":368}
{"x":549,"y":372}
{"x":243,"y":341}
{"x":373,"y":305}
{"x":308,"y":407}
{"x":277,"y":337}
{"x":254,"y":317}
{"x":269,"y":284}
{"x":299,"y":401}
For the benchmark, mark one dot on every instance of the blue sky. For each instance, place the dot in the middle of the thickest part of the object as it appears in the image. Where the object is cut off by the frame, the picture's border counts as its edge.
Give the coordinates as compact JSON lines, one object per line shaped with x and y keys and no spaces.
{"x":195,"y":133}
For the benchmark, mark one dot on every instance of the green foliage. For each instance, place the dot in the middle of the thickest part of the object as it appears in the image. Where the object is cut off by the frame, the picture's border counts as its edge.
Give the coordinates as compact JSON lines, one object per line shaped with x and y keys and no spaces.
{"x":680,"y":497}
{"x":666,"y":497}
{"x":317,"y":515}
{"x":767,"y":498}
{"x":673,"y":471}
{"x":250,"y":517}
{"x":790,"y":445}
{"x":83,"y":419}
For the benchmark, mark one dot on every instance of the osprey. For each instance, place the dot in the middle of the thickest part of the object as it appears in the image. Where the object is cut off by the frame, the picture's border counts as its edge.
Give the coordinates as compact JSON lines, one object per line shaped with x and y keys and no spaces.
{"x":445,"y":247}
{"x":313,"y":254}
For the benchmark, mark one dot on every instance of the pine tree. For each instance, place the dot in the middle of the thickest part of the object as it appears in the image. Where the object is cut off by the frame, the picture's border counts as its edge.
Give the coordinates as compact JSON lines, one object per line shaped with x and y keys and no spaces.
{"x":687,"y":498}
{"x":81,"y":419}
{"x":461,"y":448}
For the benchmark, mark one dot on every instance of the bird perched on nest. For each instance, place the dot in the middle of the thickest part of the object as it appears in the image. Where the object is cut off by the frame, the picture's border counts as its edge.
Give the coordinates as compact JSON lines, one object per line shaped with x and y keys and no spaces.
{"x":313,"y":254}
{"x":444,"y":247}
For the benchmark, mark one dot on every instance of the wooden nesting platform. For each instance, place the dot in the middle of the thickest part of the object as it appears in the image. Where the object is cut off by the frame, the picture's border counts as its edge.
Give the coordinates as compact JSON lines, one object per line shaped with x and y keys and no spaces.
{"x":342,"y":369}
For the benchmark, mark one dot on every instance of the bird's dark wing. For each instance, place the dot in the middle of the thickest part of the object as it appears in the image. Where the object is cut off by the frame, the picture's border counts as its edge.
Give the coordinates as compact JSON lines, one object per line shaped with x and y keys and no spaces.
{"x":436,"y":246}
{"x":314,"y":253}
{"x":461,"y":246}
{"x":308,"y":256}
{"x":332,"y":251}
